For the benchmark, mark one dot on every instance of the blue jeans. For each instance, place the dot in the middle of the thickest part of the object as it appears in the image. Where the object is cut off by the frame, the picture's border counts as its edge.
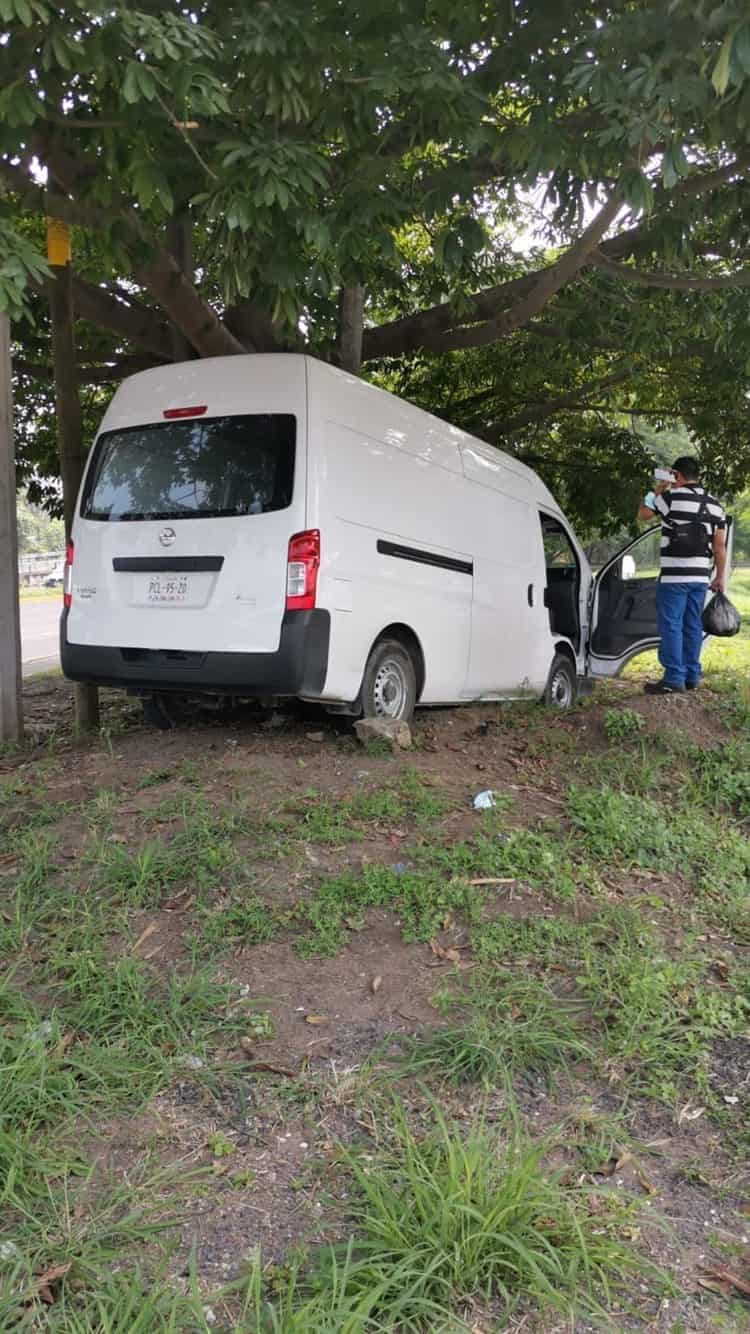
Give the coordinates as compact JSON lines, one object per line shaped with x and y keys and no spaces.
{"x":679,"y":608}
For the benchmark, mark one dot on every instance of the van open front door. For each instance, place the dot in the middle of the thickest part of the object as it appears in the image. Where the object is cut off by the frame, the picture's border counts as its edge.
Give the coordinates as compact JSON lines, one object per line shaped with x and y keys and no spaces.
{"x":624,"y":619}
{"x":623,"y":614}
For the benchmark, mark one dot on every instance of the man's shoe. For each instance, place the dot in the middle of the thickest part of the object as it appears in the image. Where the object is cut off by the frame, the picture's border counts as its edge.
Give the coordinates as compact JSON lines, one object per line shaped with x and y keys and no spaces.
{"x":692,"y":685}
{"x":662,"y":688}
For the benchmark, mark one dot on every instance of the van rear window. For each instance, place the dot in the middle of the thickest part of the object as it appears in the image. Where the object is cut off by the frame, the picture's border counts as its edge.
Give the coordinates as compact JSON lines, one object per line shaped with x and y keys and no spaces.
{"x":213,"y":468}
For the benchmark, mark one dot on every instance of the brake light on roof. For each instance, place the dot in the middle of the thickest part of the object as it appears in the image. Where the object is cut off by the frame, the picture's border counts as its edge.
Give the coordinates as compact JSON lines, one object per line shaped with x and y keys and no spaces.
{"x":303,"y":563}
{"x":172,"y":413}
{"x":68,"y":576}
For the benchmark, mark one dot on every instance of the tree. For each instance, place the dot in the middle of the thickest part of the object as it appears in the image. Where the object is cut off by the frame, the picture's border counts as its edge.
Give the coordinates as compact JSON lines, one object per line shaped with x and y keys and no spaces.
{"x":37,"y":531}
{"x":349,"y":181}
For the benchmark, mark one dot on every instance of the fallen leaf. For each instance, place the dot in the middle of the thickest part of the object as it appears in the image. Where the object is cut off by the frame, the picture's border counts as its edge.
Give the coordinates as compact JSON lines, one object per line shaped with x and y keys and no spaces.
{"x":721,"y":967}
{"x":266,"y":1067}
{"x":44,"y":1281}
{"x":448,"y":953}
{"x":116,"y":838}
{"x":689,"y":1113}
{"x":248,"y":1045}
{"x":645,"y":1183}
{"x":726,"y":1277}
{"x":316,"y":1019}
{"x":354,"y":923}
{"x":176,"y":900}
{"x":143,"y":937}
{"x":62,"y":1046}
{"x":376,"y":983}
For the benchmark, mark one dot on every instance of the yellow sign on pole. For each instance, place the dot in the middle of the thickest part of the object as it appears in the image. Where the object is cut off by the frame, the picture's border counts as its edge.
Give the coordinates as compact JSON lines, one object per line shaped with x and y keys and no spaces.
{"x":58,"y":242}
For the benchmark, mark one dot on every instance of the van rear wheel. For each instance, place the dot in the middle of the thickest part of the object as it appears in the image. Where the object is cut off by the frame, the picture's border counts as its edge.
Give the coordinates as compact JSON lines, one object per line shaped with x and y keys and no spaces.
{"x":389,"y":685}
{"x":561,"y":691}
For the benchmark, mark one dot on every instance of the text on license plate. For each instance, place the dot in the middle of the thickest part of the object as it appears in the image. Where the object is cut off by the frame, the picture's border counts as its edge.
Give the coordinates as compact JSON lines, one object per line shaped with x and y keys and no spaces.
{"x":174,"y":589}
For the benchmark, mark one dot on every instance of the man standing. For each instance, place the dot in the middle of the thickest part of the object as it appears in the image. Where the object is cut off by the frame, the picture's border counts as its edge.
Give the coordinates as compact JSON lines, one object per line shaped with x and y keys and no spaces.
{"x":693,"y":539}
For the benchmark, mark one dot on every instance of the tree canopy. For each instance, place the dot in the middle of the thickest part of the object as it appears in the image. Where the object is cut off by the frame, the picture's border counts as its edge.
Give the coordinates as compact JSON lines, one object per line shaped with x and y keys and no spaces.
{"x":352,"y":180}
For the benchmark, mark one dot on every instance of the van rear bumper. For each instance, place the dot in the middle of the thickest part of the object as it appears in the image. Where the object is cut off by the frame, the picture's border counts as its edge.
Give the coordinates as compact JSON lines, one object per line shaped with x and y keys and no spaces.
{"x":298,"y":667}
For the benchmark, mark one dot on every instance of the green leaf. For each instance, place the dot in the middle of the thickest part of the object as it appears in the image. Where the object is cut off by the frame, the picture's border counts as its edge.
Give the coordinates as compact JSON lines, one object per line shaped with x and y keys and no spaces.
{"x":720,"y":76}
{"x":741,"y":48}
{"x":130,"y":84}
{"x":146,"y":82}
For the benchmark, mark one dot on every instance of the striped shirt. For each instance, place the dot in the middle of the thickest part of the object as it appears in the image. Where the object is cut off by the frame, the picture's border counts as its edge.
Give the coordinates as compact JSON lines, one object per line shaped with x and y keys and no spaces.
{"x":678,"y":505}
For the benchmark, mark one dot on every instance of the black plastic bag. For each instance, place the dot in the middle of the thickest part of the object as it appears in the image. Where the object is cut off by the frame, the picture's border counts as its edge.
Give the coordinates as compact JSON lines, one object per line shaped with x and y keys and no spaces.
{"x":720,"y":617}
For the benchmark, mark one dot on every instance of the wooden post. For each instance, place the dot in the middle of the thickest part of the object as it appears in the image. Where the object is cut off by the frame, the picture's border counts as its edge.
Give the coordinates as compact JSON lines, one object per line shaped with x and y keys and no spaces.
{"x":68,"y":415}
{"x":11,"y":709}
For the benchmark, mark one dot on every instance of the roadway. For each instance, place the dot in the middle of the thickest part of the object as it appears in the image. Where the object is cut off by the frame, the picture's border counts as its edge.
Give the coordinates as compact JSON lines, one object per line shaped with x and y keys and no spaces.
{"x":40,"y":620}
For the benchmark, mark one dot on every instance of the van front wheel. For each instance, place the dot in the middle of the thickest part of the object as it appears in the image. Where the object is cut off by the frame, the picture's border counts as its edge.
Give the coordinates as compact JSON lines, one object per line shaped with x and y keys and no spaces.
{"x":389,"y":685}
{"x":561,"y":690}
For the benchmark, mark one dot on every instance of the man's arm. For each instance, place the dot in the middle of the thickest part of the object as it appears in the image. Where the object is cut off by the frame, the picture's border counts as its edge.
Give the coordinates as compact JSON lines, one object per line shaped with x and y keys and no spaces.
{"x":719,"y":544}
{"x":649,"y":509}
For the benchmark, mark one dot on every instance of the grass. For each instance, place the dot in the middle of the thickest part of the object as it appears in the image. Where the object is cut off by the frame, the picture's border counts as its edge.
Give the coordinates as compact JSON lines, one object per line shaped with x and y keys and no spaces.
{"x":469,"y":1215}
{"x":311,"y":818}
{"x":514,"y":1024}
{"x":607,"y":953}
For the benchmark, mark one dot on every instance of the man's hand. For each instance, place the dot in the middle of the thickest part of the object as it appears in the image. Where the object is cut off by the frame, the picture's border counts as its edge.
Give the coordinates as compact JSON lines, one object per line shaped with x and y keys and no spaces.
{"x":661,"y":487}
{"x":719,"y":544}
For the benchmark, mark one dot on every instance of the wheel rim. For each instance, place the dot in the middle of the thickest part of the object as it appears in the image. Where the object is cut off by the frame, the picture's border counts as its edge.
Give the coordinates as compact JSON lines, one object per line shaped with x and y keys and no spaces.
{"x":390,"y":690}
{"x":561,"y":689}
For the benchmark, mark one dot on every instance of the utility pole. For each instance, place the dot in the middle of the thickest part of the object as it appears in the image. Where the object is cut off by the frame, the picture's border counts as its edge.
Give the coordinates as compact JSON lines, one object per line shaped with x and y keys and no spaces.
{"x":68,"y":414}
{"x":11,"y":710}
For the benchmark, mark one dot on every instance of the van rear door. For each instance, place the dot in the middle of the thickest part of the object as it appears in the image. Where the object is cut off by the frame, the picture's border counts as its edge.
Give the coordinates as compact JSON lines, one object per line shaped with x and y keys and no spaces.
{"x":183,"y":530}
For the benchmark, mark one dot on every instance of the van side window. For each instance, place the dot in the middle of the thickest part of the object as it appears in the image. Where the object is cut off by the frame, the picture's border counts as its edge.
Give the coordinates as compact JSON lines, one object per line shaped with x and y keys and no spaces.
{"x":563,"y":579}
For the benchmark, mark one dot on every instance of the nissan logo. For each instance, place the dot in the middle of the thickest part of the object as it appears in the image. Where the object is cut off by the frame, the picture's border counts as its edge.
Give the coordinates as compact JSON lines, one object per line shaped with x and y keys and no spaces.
{"x":167,"y":536}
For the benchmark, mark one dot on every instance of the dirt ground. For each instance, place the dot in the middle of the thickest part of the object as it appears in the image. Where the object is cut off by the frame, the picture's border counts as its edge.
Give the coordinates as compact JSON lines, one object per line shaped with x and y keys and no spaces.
{"x":287,"y":1098}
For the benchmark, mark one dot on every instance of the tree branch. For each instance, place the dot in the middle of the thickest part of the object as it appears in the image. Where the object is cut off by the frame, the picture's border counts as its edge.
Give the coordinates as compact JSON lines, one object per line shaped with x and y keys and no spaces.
{"x":676,"y":282}
{"x":103,"y":374}
{"x":160,"y":274}
{"x":548,"y":407}
{"x":423,"y":330}
{"x":137,"y":325}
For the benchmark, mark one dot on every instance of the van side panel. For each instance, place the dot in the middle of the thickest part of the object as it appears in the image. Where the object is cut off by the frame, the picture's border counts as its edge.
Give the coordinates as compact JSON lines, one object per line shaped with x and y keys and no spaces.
{"x":233,"y":609}
{"x":386,"y":490}
{"x":511,"y":642}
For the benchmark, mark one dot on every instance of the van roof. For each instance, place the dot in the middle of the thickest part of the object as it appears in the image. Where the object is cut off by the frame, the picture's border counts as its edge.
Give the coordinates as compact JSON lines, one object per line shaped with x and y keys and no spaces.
{"x":142,"y":398}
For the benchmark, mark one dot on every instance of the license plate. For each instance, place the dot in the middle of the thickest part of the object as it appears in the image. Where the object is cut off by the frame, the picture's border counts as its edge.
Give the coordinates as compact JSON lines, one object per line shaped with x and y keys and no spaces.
{"x":168,"y":588}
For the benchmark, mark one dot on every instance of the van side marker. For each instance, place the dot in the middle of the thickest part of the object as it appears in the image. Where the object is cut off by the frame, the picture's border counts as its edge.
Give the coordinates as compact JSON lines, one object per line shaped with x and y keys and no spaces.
{"x":425,"y":557}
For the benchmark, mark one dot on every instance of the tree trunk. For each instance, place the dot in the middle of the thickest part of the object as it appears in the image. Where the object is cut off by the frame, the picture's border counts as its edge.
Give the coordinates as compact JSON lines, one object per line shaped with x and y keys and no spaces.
{"x":180,"y":247}
{"x":69,"y":439}
{"x":351,"y":327}
{"x":11,"y":710}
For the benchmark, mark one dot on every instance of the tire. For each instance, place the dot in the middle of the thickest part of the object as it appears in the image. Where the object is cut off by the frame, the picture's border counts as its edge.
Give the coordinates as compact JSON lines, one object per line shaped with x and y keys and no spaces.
{"x":389,"y":685}
{"x":156,"y":713}
{"x":561,"y":690}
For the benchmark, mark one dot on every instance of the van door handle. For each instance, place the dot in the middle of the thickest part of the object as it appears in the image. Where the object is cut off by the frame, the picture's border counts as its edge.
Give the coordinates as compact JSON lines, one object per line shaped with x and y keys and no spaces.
{"x":530,"y":594}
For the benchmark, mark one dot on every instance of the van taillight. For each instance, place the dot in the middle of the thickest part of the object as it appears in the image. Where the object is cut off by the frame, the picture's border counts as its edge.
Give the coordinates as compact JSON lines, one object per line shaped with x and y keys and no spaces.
{"x":68,"y":576}
{"x":302,"y":570}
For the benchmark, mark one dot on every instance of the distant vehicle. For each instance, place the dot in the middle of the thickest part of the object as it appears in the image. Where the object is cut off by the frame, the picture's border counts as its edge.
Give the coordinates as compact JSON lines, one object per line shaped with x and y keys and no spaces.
{"x":56,"y":578}
{"x":267,"y":526}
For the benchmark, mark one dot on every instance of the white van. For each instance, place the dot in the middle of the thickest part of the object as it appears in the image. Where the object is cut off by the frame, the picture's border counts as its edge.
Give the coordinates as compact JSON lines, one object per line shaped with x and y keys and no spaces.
{"x":266,"y":526}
